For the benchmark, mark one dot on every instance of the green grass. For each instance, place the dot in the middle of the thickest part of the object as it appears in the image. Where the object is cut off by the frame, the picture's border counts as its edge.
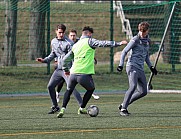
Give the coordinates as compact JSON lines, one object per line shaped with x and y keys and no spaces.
{"x":156,"y":116}
{"x":29,"y":79}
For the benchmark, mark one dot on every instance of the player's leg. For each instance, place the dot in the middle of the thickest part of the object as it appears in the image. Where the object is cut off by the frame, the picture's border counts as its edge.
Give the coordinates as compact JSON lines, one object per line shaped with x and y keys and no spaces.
{"x":87,"y":82}
{"x":54,"y":80}
{"x":77,"y":97}
{"x":95,"y":96}
{"x":59,"y":87}
{"x":75,"y":92}
{"x":141,"y":87}
{"x":133,"y":79}
{"x":70,"y":87}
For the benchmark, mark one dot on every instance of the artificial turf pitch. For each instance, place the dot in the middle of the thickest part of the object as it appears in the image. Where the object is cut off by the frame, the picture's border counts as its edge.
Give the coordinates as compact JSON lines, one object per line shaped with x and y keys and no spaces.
{"x":156,"y":116}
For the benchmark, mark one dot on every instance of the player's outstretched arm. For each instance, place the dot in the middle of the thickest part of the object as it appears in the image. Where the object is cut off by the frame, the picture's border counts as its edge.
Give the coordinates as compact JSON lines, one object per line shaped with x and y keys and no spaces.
{"x":39,"y":60}
{"x":124,"y":42}
{"x":66,"y":60}
{"x":104,"y":43}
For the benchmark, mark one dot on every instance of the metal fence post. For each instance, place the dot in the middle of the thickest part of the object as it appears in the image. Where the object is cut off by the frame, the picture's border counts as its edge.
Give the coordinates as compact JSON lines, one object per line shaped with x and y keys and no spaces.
{"x":48,"y":34}
{"x":111,"y":34}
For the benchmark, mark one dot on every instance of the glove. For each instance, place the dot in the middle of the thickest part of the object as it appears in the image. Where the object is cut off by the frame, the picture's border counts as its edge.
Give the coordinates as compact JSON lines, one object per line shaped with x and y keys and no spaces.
{"x":153,"y":70}
{"x":119,"y":68}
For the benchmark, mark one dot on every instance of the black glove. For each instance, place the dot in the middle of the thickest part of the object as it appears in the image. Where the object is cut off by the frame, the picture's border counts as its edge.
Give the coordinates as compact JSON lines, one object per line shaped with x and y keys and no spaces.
{"x":119,"y":68}
{"x":153,"y":70}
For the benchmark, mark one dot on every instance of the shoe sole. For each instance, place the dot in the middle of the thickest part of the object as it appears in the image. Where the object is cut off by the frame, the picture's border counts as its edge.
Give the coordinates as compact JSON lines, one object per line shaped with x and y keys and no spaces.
{"x":82,"y":113}
{"x":53,"y":112}
{"x":79,"y":112}
{"x":124,"y":114}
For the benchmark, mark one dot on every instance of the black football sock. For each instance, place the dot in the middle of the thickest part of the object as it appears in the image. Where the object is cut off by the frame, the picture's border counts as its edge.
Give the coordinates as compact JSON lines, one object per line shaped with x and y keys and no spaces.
{"x":86,"y":98}
{"x":66,"y":98}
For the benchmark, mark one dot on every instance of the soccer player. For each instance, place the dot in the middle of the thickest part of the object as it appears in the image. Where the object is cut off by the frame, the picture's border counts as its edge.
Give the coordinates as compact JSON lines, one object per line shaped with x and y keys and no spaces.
{"x":83,"y":67}
{"x":73,"y":36}
{"x":60,"y":84}
{"x":61,"y":45}
{"x":138,"y":47}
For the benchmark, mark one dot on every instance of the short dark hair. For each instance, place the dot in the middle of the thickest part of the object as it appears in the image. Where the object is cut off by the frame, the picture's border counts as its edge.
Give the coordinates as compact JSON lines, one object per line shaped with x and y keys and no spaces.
{"x":87,"y":28}
{"x":143,"y":26}
{"x":61,"y":26}
{"x":73,"y":30}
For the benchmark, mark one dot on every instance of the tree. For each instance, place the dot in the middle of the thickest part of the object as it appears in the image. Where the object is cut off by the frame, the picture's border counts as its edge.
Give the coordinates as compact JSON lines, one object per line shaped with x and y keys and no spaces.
{"x":37,"y":29}
{"x":9,"y":46}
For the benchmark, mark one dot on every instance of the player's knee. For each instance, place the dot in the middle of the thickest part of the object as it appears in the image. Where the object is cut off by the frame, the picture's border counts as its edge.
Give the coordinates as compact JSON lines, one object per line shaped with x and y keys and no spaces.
{"x":132,"y":88}
{"x":144,"y":93}
{"x":50,"y":87}
{"x":69,"y":91}
{"x":91,"y":90}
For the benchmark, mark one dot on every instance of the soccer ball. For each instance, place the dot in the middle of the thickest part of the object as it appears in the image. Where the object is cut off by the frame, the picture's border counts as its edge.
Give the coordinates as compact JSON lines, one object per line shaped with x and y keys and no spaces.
{"x":93,"y":110}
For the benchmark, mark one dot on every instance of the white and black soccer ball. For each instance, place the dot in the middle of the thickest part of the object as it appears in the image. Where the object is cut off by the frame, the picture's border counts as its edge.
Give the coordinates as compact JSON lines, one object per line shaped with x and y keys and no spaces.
{"x":93,"y":110}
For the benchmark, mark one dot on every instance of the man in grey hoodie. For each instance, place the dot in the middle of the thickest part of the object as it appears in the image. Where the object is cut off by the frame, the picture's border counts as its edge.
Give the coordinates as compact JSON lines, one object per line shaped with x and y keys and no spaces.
{"x":138,"y":47}
{"x":61,"y":45}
